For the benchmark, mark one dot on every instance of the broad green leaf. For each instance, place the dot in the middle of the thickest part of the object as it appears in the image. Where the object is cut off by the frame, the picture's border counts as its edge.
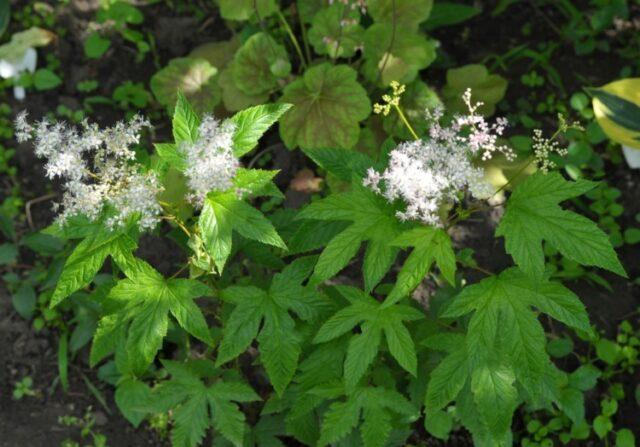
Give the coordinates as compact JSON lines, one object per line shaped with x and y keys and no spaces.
{"x":86,"y":261}
{"x":233,"y":98}
{"x":193,"y":77}
{"x":446,"y":381}
{"x":265,"y":316}
{"x":252,"y":123}
{"x":496,"y":397}
{"x":170,"y":154}
{"x":335,"y":31}
{"x":504,"y":327}
{"x":134,"y":400}
{"x":196,"y":406}
{"x":486,"y":88}
{"x":146,"y":300}
{"x":185,"y":122}
{"x":439,"y":424}
{"x":339,"y":421}
{"x":373,"y":220}
{"x":533,"y":214}
{"x":449,"y":13}
{"x":246,"y":9}
{"x":431,"y":245}
{"x":362,"y":351}
{"x":373,"y":320}
{"x":328,"y":105}
{"x":343,"y":163}
{"x":258,"y":65}
{"x":395,"y":55}
{"x":404,"y":14}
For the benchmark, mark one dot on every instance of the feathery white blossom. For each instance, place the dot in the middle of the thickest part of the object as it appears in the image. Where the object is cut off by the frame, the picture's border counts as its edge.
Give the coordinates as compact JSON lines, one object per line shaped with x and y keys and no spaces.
{"x":211,"y":163}
{"x":97,"y":168}
{"x":427,"y":174}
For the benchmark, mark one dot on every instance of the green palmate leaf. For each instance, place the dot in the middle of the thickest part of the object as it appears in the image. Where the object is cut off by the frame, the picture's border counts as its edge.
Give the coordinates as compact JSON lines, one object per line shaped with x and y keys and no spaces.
{"x":447,"y":380}
{"x":87,"y":258}
{"x":405,"y":14}
{"x":335,"y":31}
{"x":224,"y":213}
{"x":134,"y":400}
{"x":258,"y":65}
{"x":504,"y":328}
{"x":265,"y":315}
{"x":373,"y":220}
{"x":374,"y":320}
{"x":496,"y":397}
{"x":430,"y":245}
{"x":328,"y":105}
{"x":143,"y":302}
{"x":194,"y":77}
{"x":344,"y":164}
{"x":197,"y":406}
{"x":373,"y":408}
{"x":245,"y":9}
{"x":252,"y":123}
{"x":533,"y":214}
{"x":185,"y":121}
{"x":395,"y":55}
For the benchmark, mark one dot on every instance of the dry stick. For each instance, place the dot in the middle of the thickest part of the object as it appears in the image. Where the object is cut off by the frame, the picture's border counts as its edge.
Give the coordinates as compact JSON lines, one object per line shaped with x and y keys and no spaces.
{"x":27,"y":207}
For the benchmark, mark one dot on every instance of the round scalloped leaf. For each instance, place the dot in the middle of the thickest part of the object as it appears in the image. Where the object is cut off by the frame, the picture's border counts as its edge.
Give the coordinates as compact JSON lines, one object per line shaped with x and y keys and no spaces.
{"x":232,"y":97}
{"x":307,"y":9}
{"x":218,"y":54}
{"x":14,"y":51}
{"x":194,"y":77}
{"x":395,"y":56}
{"x":328,"y":105}
{"x":245,"y":9}
{"x":417,"y":98}
{"x":485,"y":87}
{"x":406,"y":13}
{"x":258,"y":65}
{"x":329,"y":36}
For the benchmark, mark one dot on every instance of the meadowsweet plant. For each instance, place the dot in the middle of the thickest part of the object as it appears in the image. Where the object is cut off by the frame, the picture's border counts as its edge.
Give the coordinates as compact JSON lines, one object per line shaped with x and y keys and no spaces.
{"x":314,"y":323}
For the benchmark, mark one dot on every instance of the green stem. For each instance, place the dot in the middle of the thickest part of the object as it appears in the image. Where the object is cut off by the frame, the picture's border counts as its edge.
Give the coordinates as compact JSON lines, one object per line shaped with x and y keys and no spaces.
{"x":305,"y":40}
{"x":293,"y":38}
{"x":406,"y":122}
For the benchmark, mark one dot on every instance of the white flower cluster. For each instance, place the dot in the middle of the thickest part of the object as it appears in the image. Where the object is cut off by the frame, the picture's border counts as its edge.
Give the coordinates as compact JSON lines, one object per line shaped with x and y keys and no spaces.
{"x":211,"y":163}
{"x":97,"y":168}
{"x":427,"y":174}
{"x":543,"y":147}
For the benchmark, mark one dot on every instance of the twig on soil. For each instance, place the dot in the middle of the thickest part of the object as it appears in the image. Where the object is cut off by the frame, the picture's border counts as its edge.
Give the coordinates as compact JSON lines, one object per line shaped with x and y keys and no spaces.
{"x":27,"y":207}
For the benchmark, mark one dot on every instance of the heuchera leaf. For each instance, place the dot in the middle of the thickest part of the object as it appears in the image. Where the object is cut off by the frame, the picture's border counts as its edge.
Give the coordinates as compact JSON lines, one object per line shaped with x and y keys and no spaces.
{"x":333,"y":33}
{"x":405,"y":14}
{"x":395,"y":55}
{"x":258,"y":65}
{"x":533,"y":214}
{"x":328,"y":105}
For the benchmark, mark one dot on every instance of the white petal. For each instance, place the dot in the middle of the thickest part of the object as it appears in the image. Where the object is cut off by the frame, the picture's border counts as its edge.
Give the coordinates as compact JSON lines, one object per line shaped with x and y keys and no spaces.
{"x":7,"y":69}
{"x":632,"y":156}
{"x":18,"y":92}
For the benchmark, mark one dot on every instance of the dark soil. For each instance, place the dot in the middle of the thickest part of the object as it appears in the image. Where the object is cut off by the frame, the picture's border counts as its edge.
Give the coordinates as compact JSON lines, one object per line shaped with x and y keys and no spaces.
{"x":33,"y":421}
